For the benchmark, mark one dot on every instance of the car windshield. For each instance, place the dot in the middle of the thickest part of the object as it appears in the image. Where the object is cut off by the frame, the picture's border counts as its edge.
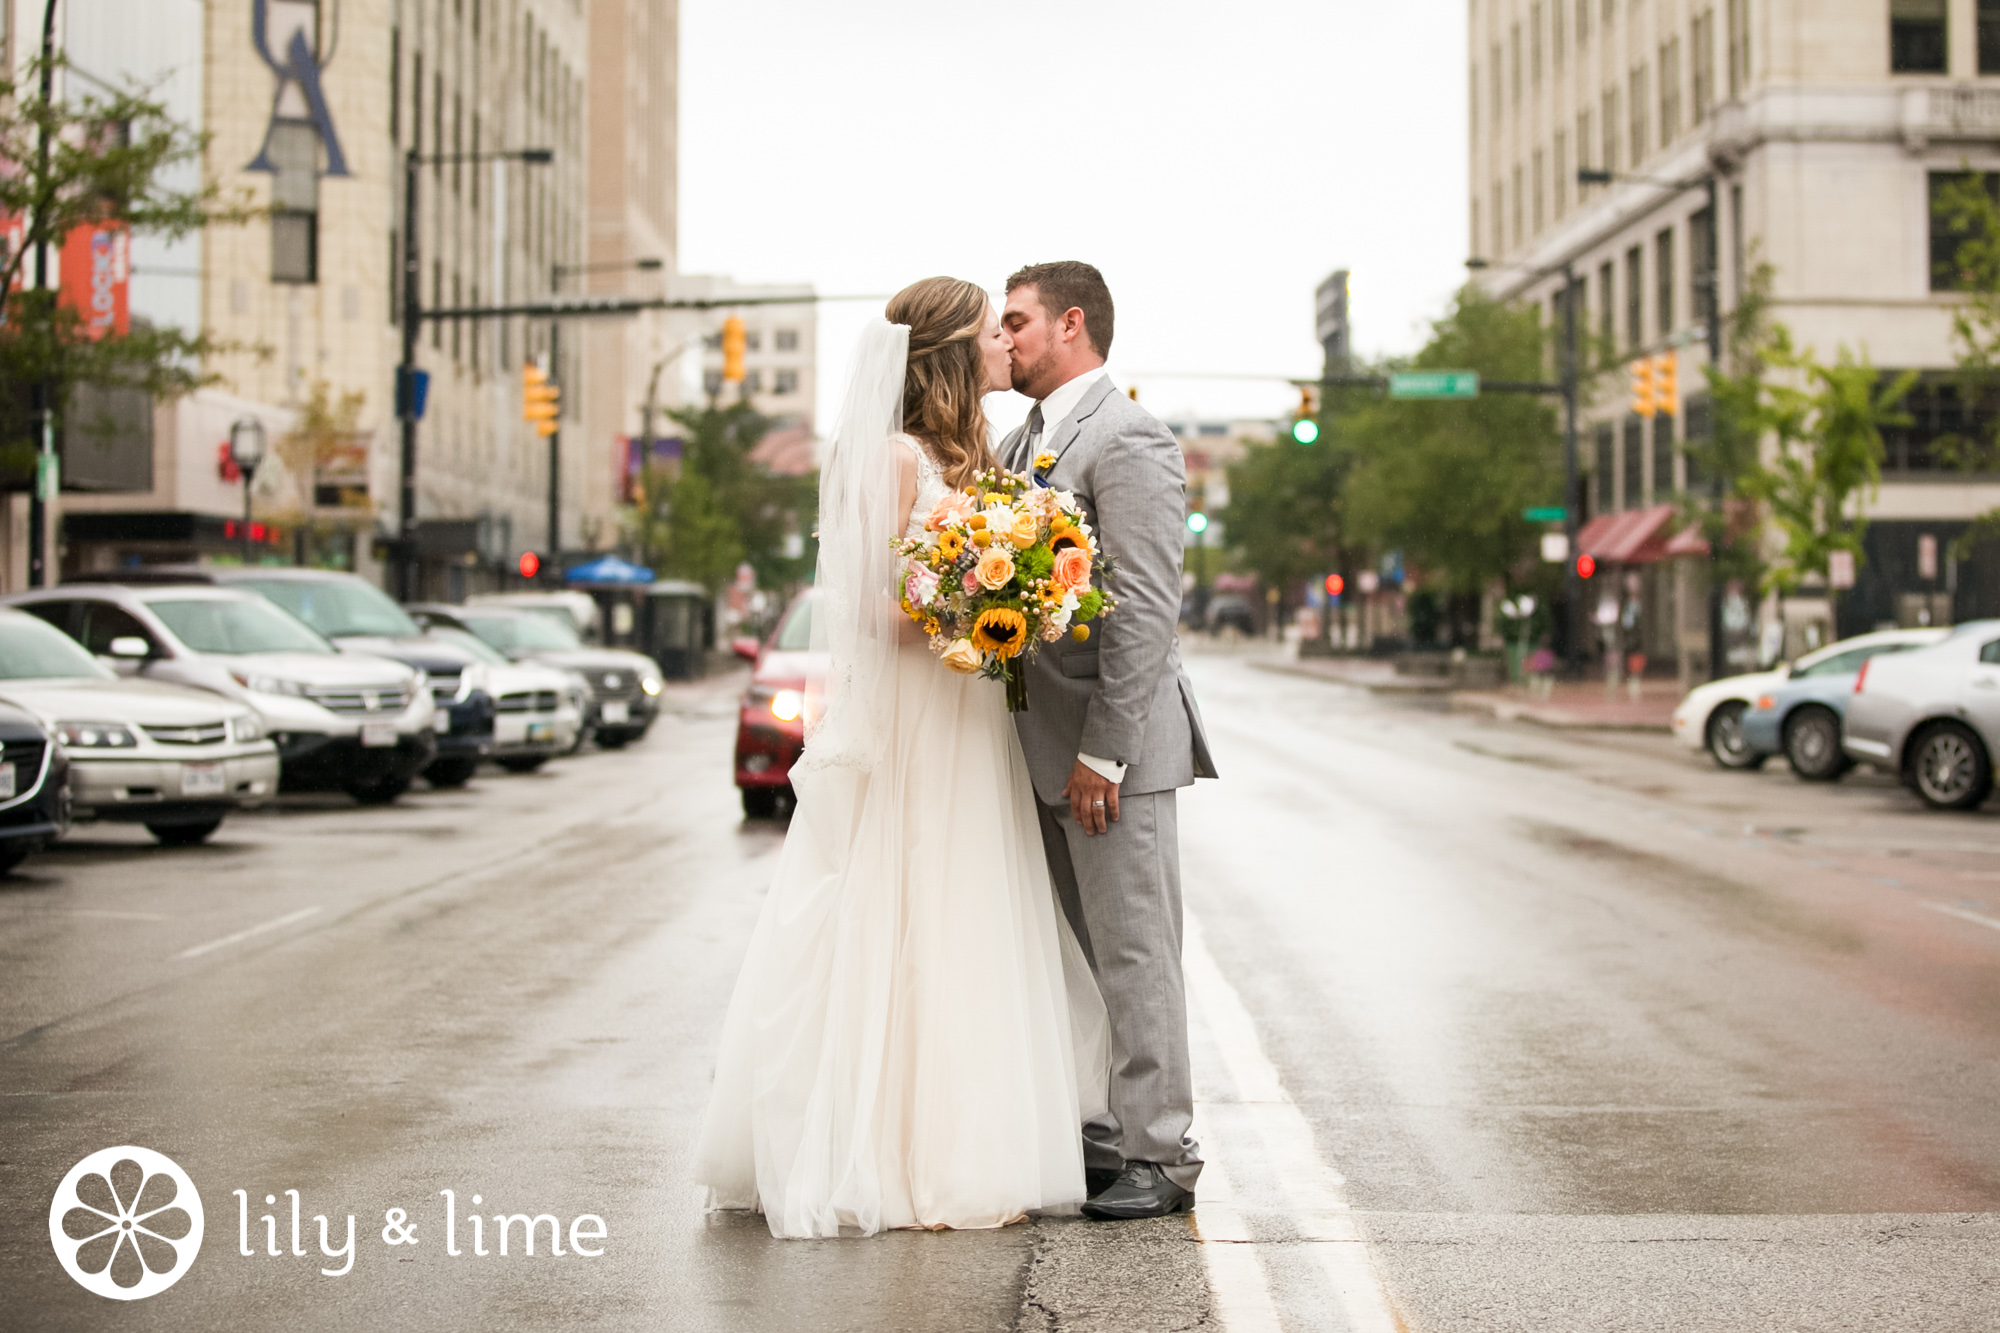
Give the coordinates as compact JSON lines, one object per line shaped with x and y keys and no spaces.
{"x":337,"y":607}
{"x":522,"y":632}
{"x":796,"y":633}
{"x":30,"y":649}
{"x":472,"y":643}
{"x":230,"y":625}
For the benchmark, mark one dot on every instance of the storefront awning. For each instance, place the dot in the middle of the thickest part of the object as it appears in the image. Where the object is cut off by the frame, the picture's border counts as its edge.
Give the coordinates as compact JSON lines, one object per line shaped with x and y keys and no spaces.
{"x":1638,"y":537}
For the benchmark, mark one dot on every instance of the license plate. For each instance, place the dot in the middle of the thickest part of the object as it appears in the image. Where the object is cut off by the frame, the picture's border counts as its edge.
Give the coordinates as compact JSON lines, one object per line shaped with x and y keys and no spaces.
{"x":441,"y":723}
{"x":6,"y":782}
{"x":541,"y":731}
{"x":378,"y":735}
{"x":202,"y":780}
{"x":617,"y":710}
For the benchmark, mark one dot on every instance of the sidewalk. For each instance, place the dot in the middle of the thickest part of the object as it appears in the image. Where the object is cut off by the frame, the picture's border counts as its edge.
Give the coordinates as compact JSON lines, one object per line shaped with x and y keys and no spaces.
{"x":1580,"y":704}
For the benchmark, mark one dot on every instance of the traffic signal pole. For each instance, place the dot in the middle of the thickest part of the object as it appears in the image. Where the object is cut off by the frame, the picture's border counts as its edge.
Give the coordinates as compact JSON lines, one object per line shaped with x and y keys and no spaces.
{"x":1572,"y":479}
{"x":555,"y":436}
{"x":406,"y":397}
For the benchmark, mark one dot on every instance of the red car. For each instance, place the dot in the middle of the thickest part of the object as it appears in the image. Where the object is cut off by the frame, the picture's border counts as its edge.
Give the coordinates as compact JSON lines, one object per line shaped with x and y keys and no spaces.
{"x":771,"y":724}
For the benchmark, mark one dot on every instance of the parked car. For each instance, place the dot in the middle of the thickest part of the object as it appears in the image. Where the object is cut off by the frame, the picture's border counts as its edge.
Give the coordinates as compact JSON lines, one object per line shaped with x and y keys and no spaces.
{"x":34,"y":787}
{"x":359,"y":617}
{"x":537,"y":710}
{"x":174,"y":759}
{"x":1932,"y":715}
{"x":363,"y":725}
{"x":1801,"y":718}
{"x":577,"y":610}
{"x":624,"y":686}
{"x":770,"y":721}
{"x":1711,"y":716}
{"x":1232,"y":610}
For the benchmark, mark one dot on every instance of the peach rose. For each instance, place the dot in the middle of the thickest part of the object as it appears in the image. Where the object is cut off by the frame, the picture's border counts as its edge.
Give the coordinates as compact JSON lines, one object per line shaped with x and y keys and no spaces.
{"x":962,"y":657}
{"x":1026,"y":531}
{"x":954,"y":507}
{"x":994,"y":570}
{"x":1072,"y":571}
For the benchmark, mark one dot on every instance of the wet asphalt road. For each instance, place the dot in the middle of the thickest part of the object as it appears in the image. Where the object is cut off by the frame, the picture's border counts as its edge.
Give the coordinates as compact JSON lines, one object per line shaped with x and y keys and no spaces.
{"x":1494,"y":1028}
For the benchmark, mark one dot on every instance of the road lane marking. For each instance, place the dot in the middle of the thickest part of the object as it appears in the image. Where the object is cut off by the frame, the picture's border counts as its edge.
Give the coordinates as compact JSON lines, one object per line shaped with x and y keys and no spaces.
{"x":276,"y":923}
{"x":1235,"y":1277}
{"x":1314,"y":1196}
{"x":1963,"y":914}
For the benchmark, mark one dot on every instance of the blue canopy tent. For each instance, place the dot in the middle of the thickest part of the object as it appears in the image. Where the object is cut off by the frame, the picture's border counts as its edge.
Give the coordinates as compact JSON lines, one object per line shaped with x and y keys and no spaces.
{"x":609,"y":570}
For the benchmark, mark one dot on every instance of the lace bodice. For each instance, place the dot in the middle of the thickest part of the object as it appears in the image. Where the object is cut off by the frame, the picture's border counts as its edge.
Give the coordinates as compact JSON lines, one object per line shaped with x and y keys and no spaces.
{"x":931,"y":487}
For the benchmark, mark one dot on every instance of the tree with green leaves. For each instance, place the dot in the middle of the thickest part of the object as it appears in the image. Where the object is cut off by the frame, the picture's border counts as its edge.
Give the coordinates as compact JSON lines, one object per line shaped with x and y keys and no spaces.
{"x":1283,"y":516}
{"x":717,"y":508}
{"x":94,"y":157}
{"x":1972,"y":218}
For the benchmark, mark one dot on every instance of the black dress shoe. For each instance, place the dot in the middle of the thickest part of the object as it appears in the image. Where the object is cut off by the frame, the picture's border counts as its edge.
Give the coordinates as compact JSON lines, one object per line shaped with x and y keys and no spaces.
{"x":1097,"y":1179}
{"x":1141,"y":1190}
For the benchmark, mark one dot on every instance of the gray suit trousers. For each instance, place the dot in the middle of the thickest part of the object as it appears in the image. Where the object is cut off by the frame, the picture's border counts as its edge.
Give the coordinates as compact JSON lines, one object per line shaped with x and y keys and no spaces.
{"x":1127,"y":924}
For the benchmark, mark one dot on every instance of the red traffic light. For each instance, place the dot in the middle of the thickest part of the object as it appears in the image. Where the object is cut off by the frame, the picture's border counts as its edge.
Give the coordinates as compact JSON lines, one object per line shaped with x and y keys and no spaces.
{"x":531,"y":564}
{"x":1586,"y":565}
{"x":1335,"y":585}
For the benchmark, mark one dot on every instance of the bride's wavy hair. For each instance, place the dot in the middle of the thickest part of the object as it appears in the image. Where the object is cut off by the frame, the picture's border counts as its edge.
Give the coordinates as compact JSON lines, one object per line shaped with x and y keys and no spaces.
{"x":945,"y":380}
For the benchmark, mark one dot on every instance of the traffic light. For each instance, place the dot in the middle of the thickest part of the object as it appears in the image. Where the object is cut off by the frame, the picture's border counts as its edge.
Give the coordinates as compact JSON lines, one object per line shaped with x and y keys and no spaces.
{"x":733,"y":342}
{"x":1586,"y":565}
{"x":1306,"y":428}
{"x":1666,"y":383}
{"x":531,"y":564}
{"x":539,"y":399}
{"x":1645,"y":400}
{"x":1335,"y":585}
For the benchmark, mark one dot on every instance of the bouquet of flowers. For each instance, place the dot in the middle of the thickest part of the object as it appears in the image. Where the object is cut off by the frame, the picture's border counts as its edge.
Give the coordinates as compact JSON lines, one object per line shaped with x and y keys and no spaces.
{"x":1002,"y":566}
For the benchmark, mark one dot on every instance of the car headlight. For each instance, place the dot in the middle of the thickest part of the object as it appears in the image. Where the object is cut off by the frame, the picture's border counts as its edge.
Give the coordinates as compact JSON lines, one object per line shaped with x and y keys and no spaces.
{"x":269,"y":684}
{"x":97,"y":735}
{"x":651,"y":684}
{"x":786,"y":705}
{"x":247,"y":728}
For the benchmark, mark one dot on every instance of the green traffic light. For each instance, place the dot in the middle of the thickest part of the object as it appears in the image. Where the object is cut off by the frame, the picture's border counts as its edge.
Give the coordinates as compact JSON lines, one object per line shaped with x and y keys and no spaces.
{"x":1197,"y":522}
{"x":1305,"y":430}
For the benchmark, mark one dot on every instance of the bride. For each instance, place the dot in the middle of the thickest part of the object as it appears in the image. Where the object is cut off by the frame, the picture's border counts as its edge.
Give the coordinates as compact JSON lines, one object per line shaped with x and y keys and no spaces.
{"x":915,"y":1039}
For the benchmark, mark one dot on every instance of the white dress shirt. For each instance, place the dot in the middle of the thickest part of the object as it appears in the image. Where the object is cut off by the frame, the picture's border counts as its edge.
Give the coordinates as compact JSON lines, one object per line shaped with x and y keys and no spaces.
{"x":1056,"y":409}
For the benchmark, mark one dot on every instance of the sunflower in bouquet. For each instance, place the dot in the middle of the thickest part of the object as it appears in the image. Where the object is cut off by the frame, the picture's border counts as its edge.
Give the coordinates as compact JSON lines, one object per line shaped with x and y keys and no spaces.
{"x":1002,"y":566}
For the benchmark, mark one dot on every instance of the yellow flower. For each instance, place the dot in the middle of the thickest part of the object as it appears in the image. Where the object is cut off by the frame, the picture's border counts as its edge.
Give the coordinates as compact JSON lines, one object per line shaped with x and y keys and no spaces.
{"x":976,"y":522}
{"x":1044,"y":461}
{"x":950,"y":545}
{"x":961,"y":657}
{"x":1027,"y":530}
{"x":995,"y":498}
{"x":1063,"y":533}
{"x":1000,"y":631}
{"x":982,"y":539}
{"x":1080,"y":633}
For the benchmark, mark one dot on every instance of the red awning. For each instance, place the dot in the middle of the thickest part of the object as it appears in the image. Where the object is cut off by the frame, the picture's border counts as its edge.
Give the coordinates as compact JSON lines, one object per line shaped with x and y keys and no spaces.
{"x":1638,"y":537}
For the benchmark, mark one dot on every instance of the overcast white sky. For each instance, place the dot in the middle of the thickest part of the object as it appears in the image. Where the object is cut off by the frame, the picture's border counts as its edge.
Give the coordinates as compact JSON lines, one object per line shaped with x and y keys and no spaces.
{"x":1215,"y":161}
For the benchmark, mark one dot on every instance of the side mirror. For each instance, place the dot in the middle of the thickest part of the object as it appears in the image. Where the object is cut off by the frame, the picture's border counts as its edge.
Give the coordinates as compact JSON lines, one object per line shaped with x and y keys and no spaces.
{"x":130,"y":646}
{"x":746,"y":648}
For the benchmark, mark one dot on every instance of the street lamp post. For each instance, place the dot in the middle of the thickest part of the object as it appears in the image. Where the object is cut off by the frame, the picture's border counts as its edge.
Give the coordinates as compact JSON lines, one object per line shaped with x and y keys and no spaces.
{"x":409,"y":397}
{"x":557,"y":272}
{"x":246,"y":450}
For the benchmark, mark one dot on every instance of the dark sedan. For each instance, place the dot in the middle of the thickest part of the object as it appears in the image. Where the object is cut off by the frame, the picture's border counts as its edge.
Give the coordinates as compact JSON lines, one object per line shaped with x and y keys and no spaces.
{"x":34,"y":788}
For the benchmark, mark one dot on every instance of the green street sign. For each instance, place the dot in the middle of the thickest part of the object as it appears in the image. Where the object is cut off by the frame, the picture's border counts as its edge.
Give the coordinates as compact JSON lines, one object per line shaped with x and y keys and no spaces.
{"x":1435,"y":384}
{"x":1545,"y":514}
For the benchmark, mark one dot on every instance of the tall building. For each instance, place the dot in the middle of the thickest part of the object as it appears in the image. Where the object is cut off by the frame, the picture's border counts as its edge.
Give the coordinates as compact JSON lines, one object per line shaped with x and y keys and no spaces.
{"x":311,"y":107}
{"x":1820,"y":130}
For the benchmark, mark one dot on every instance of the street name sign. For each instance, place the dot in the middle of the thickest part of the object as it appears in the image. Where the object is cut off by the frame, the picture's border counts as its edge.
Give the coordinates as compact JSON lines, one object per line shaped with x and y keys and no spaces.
{"x":1435,"y":384}
{"x":1545,"y":514}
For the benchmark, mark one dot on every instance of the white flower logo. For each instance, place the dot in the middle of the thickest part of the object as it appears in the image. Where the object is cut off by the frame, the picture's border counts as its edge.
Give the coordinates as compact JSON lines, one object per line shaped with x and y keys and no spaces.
{"x":126,"y":1223}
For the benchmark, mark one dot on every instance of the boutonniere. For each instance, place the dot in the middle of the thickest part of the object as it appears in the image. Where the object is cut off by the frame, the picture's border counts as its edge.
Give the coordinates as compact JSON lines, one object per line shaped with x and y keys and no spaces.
{"x":1043,"y":462}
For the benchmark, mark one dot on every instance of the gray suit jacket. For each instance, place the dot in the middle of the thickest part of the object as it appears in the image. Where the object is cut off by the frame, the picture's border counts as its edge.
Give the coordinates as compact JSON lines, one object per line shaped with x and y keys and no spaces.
{"x":1121,"y":695}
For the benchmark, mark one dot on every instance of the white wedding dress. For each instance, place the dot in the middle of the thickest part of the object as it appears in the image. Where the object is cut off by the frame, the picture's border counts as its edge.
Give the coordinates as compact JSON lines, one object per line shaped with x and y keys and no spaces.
{"x":915,"y":1039}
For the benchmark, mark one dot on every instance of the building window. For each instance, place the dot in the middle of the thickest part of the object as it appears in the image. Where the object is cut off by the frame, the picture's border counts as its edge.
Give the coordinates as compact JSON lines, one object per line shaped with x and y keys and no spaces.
{"x":1538,"y":182}
{"x":753,"y":381}
{"x":1702,"y":274}
{"x":1937,"y":414}
{"x":1917,"y":36}
{"x":1519,"y":218}
{"x":785,"y":340}
{"x":1562,"y":172}
{"x":1663,"y":457}
{"x":1514,"y":61}
{"x":1582,"y":22}
{"x":1476,"y":233}
{"x":1607,"y":316}
{"x":1989,"y":36}
{"x":1641,"y":145}
{"x":1739,"y":48}
{"x":1701,"y":65}
{"x":1556,"y":33}
{"x":1635,"y":297}
{"x":1607,"y":469}
{"x":1945,"y":239}
{"x":753,"y":340}
{"x":1499,"y":232}
{"x":1663,"y":255}
{"x":1608,"y":160}
{"x":295,"y":247}
{"x":1696,"y":416}
{"x":1635,"y":463}
{"x":711,"y":383}
{"x":293,"y":150}
{"x":1472,"y":102}
{"x":1494,"y":66}
{"x":1583,"y":142}
{"x":1670,"y":91}
{"x":1535,"y":43}
{"x":784,"y":381}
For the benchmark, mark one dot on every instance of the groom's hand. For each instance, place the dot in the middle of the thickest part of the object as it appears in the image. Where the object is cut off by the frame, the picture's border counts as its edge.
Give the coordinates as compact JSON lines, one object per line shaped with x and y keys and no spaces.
{"x":1093,"y":798}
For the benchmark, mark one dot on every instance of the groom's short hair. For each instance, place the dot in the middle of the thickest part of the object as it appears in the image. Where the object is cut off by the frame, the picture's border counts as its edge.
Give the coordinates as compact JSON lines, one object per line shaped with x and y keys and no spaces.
{"x":1067,"y":284}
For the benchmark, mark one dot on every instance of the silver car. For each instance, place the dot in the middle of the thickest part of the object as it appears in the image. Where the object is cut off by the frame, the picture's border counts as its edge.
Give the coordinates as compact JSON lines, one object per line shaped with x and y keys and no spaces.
{"x":1933,"y":715}
{"x":174,"y":759}
{"x":363,"y":725}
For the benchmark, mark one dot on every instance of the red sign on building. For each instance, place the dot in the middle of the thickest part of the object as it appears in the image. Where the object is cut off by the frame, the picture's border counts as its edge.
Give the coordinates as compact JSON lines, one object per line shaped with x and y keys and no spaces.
{"x":97,"y":277}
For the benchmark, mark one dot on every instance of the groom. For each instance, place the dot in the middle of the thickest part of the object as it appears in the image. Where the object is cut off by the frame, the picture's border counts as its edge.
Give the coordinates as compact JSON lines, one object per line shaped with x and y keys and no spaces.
{"x":1112,"y":730}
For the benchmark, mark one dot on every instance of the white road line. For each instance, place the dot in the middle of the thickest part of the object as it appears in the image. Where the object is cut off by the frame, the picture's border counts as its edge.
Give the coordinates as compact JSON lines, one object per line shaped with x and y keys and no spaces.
{"x":1964,"y":915}
{"x":1313,"y":1191}
{"x":1235,"y":1277}
{"x":274,"y":924}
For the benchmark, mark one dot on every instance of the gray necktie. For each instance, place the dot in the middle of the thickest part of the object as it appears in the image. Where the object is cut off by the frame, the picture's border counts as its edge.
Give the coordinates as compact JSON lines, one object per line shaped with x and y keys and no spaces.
{"x":1031,"y":443}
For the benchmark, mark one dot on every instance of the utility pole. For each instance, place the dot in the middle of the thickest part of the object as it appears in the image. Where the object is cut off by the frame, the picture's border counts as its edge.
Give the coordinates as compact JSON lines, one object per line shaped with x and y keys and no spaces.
{"x":1572,"y":478}
{"x":1718,"y":662}
{"x":44,"y":395}
{"x":555,"y":436}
